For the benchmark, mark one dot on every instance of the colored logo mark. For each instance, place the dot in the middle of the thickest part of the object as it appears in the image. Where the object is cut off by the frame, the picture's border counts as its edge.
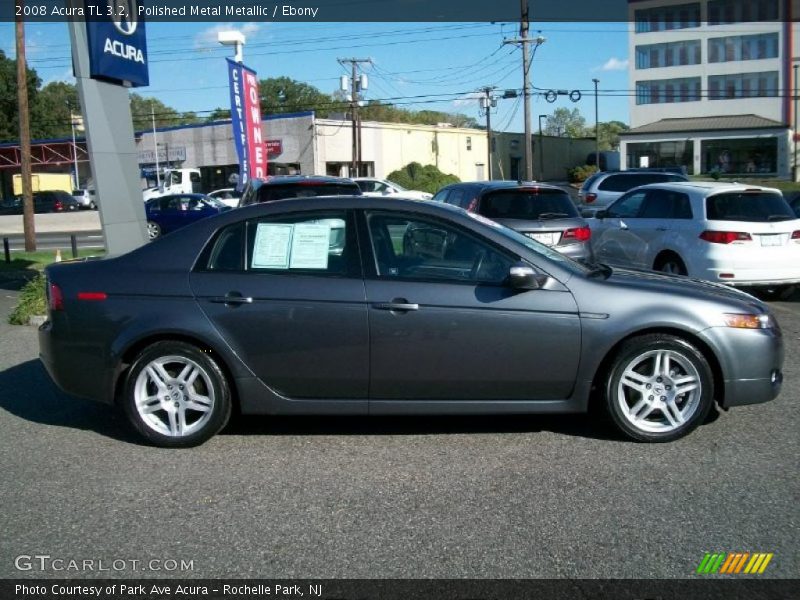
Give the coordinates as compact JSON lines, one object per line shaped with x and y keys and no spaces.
{"x":734,"y":563}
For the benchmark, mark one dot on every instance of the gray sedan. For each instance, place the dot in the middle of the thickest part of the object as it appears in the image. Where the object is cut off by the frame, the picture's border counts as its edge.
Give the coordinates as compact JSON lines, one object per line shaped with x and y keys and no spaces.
{"x":335,"y":306}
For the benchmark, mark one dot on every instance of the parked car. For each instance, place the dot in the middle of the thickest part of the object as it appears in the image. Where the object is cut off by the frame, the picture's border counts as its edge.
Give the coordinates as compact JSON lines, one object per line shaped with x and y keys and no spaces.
{"x":297,"y":186}
{"x":601,"y":189}
{"x":259,"y":308}
{"x":228,"y":196}
{"x":85,"y":198}
{"x":542,"y":212}
{"x":381,"y":187}
{"x":43,"y":202}
{"x":740,"y":235}
{"x":168,"y":213}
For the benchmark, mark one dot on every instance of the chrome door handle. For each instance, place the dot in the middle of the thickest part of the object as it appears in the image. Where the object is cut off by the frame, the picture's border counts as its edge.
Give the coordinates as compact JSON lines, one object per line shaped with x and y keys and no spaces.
{"x":396,"y":306}
{"x":623,"y":225}
{"x":231,"y":300}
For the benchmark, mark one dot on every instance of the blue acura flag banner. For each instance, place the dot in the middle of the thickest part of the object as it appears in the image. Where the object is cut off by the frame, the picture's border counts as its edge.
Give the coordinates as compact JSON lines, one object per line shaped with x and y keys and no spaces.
{"x":117,"y":42}
{"x":246,"y":121}
{"x":237,"y":120}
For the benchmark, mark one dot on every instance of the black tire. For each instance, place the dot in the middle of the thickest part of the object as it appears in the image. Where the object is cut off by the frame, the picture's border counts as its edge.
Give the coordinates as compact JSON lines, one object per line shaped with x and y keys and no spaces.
{"x":685,"y":361}
{"x":774,"y":293}
{"x":210,"y":383}
{"x":670,"y":263}
{"x":153,"y":230}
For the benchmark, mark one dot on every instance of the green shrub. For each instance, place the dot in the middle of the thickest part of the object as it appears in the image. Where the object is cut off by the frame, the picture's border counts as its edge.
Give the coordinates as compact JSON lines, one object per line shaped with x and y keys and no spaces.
{"x":32,"y":301}
{"x":581,"y":173}
{"x":425,"y":179}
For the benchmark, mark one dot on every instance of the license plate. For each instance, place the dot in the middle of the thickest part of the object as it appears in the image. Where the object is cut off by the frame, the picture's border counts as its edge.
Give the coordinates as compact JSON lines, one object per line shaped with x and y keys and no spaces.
{"x":772,"y":240}
{"x":549,"y":239}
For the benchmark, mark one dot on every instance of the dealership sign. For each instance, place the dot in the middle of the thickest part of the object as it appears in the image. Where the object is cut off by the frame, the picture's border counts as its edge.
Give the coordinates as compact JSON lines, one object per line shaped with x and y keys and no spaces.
{"x":274,"y":148}
{"x":117,"y":42}
{"x":246,"y":122}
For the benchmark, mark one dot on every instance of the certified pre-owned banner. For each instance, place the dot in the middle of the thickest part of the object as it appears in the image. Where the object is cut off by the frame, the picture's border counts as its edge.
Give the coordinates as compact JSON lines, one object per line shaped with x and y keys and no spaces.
{"x":246,"y":123}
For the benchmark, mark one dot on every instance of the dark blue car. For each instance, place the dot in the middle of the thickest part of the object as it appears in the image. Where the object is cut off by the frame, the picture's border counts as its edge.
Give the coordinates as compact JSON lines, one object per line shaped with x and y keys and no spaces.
{"x":169,"y":213}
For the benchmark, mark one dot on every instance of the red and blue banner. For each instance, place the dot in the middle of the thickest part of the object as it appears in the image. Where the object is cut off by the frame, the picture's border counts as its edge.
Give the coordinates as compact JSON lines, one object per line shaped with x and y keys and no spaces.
{"x":246,"y":122}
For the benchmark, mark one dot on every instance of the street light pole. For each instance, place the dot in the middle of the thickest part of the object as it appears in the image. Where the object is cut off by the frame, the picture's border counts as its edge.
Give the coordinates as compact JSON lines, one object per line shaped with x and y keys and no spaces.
{"x":74,"y":147}
{"x":794,"y":133}
{"x":596,"y":127}
{"x":487,"y":103}
{"x":155,"y":143}
{"x":541,"y":148}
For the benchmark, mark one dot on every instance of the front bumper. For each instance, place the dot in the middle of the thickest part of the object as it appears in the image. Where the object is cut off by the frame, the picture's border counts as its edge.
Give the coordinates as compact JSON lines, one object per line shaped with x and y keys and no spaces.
{"x":751,"y":362}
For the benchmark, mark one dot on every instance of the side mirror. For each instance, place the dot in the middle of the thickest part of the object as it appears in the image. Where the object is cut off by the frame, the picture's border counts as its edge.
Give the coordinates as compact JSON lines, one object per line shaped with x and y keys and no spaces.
{"x":588,"y":213}
{"x":524,"y":277}
{"x":601,"y":214}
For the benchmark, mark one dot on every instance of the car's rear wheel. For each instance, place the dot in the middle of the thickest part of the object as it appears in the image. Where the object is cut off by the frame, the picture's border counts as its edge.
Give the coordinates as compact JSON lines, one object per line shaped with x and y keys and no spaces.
{"x":671,"y":263}
{"x":659,"y":389}
{"x":153,"y":230}
{"x":175,"y":395}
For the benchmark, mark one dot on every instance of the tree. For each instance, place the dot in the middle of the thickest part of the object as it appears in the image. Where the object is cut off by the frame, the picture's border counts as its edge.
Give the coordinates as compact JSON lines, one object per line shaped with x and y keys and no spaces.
{"x":609,"y":134}
{"x":165,"y":116}
{"x":50,"y":115}
{"x":280,"y":95}
{"x":565,"y":122}
{"x":416,"y":177}
{"x":219,"y":114}
{"x":9,"y":107}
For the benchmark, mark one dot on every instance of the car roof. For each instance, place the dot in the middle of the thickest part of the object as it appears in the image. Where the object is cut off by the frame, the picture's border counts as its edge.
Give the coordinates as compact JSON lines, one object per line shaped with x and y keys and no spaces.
{"x":284,"y":179}
{"x":707,"y":188}
{"x":505,"y":184}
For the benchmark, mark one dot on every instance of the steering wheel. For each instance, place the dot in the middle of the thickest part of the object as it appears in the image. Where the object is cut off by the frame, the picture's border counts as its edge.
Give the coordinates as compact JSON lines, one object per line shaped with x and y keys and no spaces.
{"x":477,"y":264}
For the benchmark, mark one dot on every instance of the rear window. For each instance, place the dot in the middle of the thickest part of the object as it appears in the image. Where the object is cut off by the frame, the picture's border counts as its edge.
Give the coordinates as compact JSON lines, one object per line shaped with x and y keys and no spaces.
{"x":753,"y":207}
{"x":267,"y":193}
{"x":528,"y":204}
{"x":590,"y":180}
{"x":623,"y":183}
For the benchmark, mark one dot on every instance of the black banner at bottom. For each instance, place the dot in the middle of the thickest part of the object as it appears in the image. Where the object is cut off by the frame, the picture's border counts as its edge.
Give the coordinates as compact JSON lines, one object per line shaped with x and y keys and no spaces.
{"x":400,"y":589}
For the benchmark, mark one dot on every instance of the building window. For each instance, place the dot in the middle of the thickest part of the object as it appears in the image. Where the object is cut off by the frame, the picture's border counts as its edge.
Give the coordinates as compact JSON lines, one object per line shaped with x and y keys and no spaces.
{"x":722,"y":12}
{"x":743,"y":47}
{"x":666,"y":18}
{"x":469,"y":143}
{"x":662,"y":91}
{"x":662,"y":154}
{"x":667,"y":55}
{"x":743,"y":85}
{"x":740,"y":156}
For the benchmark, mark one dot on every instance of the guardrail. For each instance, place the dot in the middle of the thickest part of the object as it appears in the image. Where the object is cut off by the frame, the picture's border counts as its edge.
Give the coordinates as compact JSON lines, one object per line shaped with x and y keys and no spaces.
{"x":55,"y":240}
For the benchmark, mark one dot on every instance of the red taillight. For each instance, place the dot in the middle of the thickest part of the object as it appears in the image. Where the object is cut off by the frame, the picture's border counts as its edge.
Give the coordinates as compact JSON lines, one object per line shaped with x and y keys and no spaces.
{"x":580,"y":234}
{"x":725,"y":237}
{"x":590,"y":198}
{"x":55,"y":298}
{"x":796,"y":235}
{"x":58,"y":205}
{"x":92,"y":296}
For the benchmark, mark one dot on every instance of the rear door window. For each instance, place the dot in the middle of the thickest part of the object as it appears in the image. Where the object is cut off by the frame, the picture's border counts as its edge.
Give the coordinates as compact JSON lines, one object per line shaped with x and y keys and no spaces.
{"x":532,"y":204}
{"x":666,"y":204}
{"x":628,"y":206}
{"x":753,"y":207}
{"x":624,"y":182}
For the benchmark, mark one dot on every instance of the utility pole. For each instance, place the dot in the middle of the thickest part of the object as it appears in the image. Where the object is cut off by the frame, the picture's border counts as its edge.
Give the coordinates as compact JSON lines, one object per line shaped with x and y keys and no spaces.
{"x":73,"y":121}
{"x":28,"y":225}
{"x":794,"y":133}
{"x":357,"y":83}
{"x":488,"y":102}
{"x":527,"y":58}
{"x":596,"y":127}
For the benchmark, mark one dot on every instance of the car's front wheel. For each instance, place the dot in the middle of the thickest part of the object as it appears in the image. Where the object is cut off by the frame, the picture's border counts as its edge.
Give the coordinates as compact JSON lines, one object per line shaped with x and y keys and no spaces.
{"x":153,"y":230}
{"x":659,"y":389}
{"x":176,"y":395}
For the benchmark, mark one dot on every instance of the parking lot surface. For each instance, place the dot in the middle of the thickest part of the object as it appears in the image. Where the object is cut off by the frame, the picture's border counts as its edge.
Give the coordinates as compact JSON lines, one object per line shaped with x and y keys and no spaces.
{"x":483,"y":497}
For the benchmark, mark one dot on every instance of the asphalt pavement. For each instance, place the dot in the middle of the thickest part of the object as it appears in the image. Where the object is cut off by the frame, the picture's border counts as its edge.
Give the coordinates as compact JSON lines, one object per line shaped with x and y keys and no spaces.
{"x":483,"y":497}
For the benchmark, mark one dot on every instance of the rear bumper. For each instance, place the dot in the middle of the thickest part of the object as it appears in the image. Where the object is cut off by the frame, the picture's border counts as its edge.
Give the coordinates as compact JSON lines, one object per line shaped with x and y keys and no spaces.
{"x":751,"y":361}
{"x":75,"y":373}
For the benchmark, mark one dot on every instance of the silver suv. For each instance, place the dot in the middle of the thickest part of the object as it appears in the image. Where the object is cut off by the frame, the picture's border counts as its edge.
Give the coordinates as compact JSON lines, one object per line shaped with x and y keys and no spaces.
{"x":601,"y":189}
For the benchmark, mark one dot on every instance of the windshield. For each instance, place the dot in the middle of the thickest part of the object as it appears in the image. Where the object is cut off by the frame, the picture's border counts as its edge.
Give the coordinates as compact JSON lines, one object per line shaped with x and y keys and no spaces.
{"x":532,"y":204}
{"x":215,"y":202}
{"x":266,"y":193}
{"x":752,"y":207}
{"x":532,"y":244}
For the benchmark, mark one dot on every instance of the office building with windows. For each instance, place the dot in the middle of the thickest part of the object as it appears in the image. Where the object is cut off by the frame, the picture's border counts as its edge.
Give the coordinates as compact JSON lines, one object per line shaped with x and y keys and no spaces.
{"x":712,"y":86}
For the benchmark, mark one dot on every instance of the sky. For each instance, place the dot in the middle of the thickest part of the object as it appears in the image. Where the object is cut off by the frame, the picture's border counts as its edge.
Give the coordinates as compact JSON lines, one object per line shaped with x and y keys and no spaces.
{"x":436,"y":66}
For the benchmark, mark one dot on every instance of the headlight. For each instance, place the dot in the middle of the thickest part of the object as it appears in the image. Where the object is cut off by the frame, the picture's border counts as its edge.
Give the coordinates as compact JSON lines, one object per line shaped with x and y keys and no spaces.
{"x":749,"y":321}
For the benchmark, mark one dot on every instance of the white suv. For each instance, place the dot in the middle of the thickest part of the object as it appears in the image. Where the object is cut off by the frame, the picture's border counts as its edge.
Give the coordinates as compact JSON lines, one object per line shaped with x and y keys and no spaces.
{"x":381,"y":187}
{"x":744,"y":236}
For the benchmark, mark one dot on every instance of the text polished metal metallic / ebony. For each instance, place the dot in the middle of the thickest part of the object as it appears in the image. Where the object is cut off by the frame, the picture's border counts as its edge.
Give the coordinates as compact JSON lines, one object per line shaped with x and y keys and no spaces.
{"x":335,"y":305}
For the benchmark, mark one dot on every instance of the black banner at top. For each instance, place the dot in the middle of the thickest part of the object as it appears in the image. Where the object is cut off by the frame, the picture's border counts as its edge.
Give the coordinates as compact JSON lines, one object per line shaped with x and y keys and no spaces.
{"x":381,"y":10}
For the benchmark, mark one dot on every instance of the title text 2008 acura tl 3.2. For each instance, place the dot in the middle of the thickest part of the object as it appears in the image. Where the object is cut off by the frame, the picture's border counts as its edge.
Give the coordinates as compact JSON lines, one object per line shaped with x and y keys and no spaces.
{"x":335,"y":306}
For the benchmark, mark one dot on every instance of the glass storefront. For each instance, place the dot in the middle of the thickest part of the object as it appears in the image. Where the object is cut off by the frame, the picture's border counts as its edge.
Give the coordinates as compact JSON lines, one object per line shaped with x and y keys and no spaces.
{"x":662,"y":154}
{"x":749,"y":156}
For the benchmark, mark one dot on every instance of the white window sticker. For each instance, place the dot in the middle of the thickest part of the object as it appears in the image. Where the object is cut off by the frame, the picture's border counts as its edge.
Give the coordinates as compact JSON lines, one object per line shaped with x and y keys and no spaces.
{"x":272,"y":246}
{"x":310,"y":246}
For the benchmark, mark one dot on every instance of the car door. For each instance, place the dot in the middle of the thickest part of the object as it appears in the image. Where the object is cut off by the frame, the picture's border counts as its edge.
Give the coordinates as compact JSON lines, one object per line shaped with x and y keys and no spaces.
{"x":287,"y":294}
{"x":614,"y":236}
{"x":665,"y":221}
{"x":443,"y":326}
